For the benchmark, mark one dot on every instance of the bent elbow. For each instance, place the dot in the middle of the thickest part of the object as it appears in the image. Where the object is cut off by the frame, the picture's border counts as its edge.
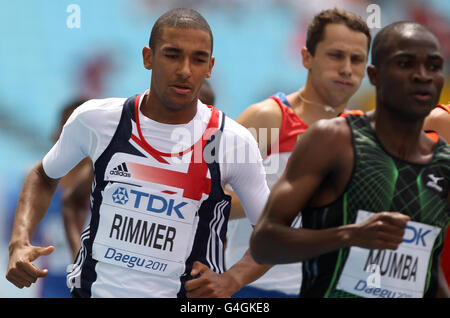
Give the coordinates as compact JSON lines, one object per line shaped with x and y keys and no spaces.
{"x":255,"y":251}
{"x":260,"y":246}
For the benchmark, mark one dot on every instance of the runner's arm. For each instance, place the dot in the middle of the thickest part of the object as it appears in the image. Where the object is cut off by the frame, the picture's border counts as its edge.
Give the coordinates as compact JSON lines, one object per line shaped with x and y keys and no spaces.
{"x":31,"y":207}
{"x":261,"y":119}
{"x":275,"y":242}
{"x":34,"y":200}
{"x":33,"y":203}
{"x":249,"y":183}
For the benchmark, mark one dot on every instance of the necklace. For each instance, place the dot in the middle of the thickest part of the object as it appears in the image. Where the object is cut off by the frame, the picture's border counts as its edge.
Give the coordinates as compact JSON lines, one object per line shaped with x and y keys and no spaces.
{"x":325,"y":107}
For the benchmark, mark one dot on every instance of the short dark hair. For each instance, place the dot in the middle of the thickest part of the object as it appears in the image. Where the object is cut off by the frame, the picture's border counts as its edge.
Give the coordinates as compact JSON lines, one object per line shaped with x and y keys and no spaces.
{"x":183,"y":18}
{"x":316,"y":29}
{"x":382,"y":44}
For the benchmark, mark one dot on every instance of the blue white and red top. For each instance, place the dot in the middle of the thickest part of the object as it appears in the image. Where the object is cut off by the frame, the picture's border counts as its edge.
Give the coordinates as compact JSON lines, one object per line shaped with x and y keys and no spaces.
{"x":157,"y":201}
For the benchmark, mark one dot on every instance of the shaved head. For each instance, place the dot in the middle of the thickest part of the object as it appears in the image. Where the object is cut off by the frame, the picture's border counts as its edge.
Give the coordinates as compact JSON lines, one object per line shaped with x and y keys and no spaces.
{"x":387,"y":39}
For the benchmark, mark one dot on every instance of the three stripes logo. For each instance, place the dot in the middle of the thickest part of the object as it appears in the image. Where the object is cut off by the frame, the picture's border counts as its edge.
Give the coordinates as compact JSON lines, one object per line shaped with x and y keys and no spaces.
{"x":121,"y":170}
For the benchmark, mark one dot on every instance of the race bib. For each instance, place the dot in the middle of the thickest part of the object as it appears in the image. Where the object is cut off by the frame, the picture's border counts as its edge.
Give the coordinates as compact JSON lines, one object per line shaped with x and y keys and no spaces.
{"x":390,"y":274}
{"x":145,"y":230}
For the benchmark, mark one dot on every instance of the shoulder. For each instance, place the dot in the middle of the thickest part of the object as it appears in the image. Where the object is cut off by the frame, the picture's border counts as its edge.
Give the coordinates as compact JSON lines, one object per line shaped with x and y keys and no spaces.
{"x":329,"y":130}
{"x":439,"y":121}
{"x":437,"y":115}
{"x":90,"y":112}
{"x":439,"y":112}
{"x":265,"y":114}
{"x":324,"y":151}
{"x":326,"y":138}
{"x":234,"y":130}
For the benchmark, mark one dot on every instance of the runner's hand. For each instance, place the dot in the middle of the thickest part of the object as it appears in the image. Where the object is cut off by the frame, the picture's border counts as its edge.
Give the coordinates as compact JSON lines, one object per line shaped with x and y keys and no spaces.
{"x":384,"y":230}
{"x":209,"y":284}
{"x":21,"y":272}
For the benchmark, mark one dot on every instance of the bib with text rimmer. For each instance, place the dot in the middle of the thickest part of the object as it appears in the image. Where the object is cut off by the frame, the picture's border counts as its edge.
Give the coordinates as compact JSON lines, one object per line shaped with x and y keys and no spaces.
{"x":145,"y":230}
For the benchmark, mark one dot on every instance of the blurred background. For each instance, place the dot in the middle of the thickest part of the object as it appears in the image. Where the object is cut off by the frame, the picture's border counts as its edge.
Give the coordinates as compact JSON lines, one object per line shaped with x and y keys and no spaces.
{"x":55,"y":51}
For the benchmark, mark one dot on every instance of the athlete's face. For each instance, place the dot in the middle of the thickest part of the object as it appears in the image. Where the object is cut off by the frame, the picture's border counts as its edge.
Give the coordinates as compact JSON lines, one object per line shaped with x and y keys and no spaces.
{"x":338,"y":65}
{"x":409,"y":80}
{"x":181,"y":60}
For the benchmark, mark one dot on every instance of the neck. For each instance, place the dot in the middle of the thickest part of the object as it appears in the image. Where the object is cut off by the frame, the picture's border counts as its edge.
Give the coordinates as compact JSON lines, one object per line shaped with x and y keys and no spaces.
{"x":311,"y":108}
{"x":153,"y":108}
{"x":399,"y":137}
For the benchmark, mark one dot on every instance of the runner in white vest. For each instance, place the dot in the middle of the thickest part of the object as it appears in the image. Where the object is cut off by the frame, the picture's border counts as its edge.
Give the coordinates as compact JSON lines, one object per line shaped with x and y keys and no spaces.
{"x":159,"y":214}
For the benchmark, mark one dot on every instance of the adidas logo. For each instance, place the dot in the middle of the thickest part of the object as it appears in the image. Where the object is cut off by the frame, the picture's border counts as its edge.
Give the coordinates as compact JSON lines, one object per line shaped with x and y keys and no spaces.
{"x":121,"y":170}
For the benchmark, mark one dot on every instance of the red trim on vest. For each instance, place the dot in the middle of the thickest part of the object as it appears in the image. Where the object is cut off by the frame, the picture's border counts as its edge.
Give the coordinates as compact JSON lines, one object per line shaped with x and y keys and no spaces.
{"x":433,"y":135}
{"x":194,"y":182}
{"x":352,"y":112}
{"x":445,"y":107}
{"x":144,"y":146}
{"x":210,"y":130}
{"x":291,"y":127}
{"x":193,"y":189}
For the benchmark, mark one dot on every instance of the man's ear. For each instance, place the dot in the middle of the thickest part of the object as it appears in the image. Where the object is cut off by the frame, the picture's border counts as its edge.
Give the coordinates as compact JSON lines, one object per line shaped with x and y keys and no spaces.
{"x":372,"y":73}
{"x":306,"y":58}
{"x":211,"y":65}
{"x":147,"y":57}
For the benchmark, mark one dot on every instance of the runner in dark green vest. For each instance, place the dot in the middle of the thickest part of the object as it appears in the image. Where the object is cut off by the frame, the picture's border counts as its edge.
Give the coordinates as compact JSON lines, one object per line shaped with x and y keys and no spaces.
{"x":373,"y":188}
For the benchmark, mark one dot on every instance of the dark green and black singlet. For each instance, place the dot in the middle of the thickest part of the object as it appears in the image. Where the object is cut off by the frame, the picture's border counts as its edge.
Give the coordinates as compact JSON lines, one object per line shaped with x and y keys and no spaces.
{"x":380,"y":182}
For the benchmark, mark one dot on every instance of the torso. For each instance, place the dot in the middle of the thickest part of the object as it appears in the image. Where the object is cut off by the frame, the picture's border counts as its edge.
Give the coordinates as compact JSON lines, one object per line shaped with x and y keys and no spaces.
{"x":379,"y":182}
{"x":150,"y":219}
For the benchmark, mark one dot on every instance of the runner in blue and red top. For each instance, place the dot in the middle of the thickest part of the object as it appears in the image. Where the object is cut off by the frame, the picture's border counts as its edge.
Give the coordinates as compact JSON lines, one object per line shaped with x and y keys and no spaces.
{"x":335,"y":56}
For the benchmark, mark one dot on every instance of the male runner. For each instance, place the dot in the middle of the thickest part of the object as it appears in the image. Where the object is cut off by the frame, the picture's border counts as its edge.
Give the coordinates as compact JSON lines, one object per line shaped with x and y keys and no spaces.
{"x":347,"y":174}
{"x":335,"y":56}
{"x":78,"y":188}
{"x":160,"y":158}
